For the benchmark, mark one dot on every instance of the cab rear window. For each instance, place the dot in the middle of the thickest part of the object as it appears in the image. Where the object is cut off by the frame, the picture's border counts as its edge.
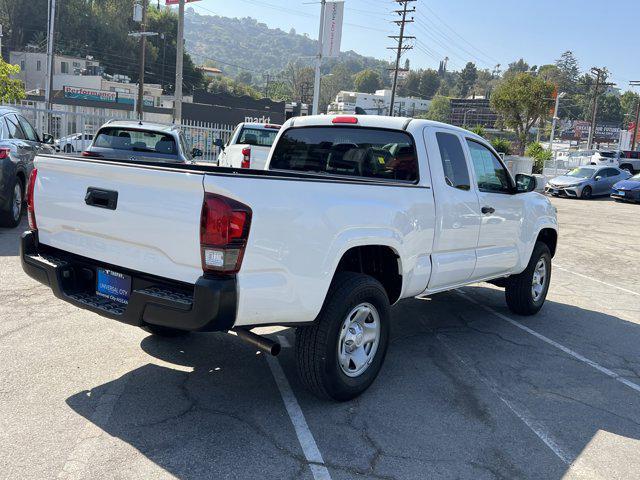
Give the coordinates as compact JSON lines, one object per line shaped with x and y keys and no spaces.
{"x":347,"y":151}
{"x":136,"y":141}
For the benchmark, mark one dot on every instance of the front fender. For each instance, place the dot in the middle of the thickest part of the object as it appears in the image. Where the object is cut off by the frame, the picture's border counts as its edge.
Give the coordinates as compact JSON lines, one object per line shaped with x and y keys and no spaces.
{"x":539,"y":214}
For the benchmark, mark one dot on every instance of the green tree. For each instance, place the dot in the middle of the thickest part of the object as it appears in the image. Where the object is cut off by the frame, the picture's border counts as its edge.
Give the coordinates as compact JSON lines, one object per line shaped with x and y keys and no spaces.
{"x":11,"y":89}
{"x":468,"y":77}
{"x":367,"y":81}
{"x":429,"y":83}
{"x":629,"y":102}
{"x":539,"y":155}
{"x":519,"y":66}
{"x":502,"y":145}
{"x":439,"y":109}
{"x":521,"y":100}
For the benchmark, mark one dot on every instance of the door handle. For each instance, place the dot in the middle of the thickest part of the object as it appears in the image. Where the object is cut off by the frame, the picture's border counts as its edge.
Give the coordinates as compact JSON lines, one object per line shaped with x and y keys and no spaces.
{"x":97,"y":197}
{"x":486,"y":210}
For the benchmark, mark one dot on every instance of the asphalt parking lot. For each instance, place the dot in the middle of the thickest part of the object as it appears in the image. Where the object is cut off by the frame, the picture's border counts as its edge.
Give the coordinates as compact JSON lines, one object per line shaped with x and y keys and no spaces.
{"x":468,"y":390}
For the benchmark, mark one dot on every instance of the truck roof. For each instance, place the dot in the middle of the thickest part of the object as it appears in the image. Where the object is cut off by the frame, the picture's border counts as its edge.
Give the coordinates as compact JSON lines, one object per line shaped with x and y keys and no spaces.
{"x":376,"y":121}
{"x":264,"y":126}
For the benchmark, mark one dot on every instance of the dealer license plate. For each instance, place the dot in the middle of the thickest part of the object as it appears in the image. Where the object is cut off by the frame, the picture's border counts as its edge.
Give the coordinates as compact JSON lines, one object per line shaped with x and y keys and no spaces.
{"x":113,"y":285}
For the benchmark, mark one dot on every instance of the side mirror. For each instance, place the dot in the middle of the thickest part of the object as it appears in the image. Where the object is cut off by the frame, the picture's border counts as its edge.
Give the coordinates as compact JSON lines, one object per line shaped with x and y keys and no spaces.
{"x":47,"y":138}
{"x":219,"y":143}
{"x":598,"y":178}
{"x":196,"y":152}
{"x":525,"y":183}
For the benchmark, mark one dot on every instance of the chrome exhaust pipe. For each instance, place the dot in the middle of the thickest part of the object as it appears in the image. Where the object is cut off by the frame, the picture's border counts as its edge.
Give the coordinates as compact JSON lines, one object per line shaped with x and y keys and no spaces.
{"x":263,"y":343}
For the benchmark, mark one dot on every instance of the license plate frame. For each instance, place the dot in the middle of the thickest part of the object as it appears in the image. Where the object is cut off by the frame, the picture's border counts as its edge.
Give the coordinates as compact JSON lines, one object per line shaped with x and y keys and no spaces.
{"x":112,"y":285}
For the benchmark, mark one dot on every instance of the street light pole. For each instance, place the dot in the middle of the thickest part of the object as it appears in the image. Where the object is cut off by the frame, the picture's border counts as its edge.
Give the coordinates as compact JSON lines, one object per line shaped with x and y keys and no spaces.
{"x":464,"y":117}
{"x":143,"y":44}
{"x":635,"y":83}
{"x":316,"y":79}
{"x":555,"y":119}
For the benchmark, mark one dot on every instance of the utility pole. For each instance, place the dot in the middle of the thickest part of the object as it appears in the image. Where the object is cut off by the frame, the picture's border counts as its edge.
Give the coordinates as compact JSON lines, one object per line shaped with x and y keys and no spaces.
{"x":0,"y":41}
{"x":50,"y":59}
{"x":316,"y":78}
{"x":401,"y":47}
{"x":143,"y":44}
{"x":177,"y":113}
{"x":267,"y":79}
{"x":635,"y":83}
{"x":600,"y":74}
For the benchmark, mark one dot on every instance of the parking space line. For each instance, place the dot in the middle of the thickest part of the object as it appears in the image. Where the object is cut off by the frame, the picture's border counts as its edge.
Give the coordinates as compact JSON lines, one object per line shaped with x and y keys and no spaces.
{"x":595,"y":280}
{"x":553,"y":343}
{"x":518,"y":410}
{"x":305,"y":437}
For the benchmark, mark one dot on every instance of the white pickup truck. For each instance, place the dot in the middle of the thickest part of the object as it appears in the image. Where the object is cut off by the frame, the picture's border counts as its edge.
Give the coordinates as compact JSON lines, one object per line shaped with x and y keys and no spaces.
{"x":352,"y":215}
{"x":248,"y":146}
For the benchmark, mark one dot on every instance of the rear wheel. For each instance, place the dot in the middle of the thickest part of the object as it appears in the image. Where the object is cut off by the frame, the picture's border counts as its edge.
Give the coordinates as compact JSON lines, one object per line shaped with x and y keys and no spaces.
{"x":10,"y":216}
{"x":68,"y":148}
{"x":341,"y":354}
{"x":526,"y":292}
{"x":161,"y":331}
{"x":586,"y":193}
{"x":627,"y":167}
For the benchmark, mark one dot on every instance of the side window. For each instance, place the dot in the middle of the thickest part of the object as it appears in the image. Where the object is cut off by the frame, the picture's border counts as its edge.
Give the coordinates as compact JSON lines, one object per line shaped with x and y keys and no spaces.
{"x":14,"y":129}
{"x":4,"y":134}
{"x":456,"y":173}
{"x":610,"y":172}
{"x":28,"y":130}
{"x":491,"y":174}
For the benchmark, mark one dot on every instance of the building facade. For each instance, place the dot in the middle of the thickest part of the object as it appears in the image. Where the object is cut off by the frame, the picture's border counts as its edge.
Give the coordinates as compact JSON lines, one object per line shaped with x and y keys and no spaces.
{"x":472,"y":112}
{"x":377,"y":104}
{"x":33,"y":67}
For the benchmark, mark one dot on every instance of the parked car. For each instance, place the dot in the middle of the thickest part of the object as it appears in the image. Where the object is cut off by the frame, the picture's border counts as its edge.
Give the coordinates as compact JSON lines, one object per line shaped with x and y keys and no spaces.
{"x":352,"y":214}
{"x":134,"y":141}
{"x":586,"y":182}
{"x":19,"y":144}
{"x":627,"y":190}
{"x":248,"y":146}
{"x":606,"y":158}
{"x":630,"y":161}
{"x":76,"y":142}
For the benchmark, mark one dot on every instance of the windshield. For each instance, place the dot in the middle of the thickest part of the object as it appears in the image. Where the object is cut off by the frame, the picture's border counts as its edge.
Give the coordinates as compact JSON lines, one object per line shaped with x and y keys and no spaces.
{"x":581,"y":173}
{"x":257,"y":136}
{"x":608,"y":154}
{"x":136,"y":141}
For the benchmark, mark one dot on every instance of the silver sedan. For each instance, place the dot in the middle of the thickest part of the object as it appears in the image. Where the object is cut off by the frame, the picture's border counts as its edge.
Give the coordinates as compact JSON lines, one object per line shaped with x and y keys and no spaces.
{"x":586,"y":182}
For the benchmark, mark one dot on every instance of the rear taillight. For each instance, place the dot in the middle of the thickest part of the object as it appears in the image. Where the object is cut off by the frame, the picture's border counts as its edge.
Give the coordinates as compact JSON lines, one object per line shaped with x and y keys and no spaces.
{"x":224,"y":229}
{"x":246,"y":158}
{"x":88,"y":153}
{"x":4,"y":153}
{"x":31,"y":212}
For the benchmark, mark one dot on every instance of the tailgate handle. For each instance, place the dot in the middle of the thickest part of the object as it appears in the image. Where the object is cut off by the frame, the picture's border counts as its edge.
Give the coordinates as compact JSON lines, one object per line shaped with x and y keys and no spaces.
{"x":98,"y":197}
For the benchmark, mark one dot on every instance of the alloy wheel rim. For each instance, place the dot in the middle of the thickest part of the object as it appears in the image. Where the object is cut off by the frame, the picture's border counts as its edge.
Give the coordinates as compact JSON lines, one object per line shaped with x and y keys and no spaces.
{"x":17,"y":201}
{"x":539,"y":280}
{"x":359,"y":339}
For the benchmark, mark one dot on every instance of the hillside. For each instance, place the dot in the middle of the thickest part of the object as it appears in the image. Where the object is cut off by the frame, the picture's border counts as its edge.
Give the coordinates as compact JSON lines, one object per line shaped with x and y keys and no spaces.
{"x":234,"y":44}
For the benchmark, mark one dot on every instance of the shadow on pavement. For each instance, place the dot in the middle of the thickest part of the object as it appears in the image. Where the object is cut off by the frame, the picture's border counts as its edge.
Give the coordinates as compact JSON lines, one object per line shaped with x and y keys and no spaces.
{"x":10,"y":238}
{"x":213,"y":411}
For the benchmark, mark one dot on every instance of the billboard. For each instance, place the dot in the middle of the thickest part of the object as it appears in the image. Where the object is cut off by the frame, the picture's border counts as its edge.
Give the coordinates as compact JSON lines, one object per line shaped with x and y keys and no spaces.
{"x":332,"y":28}
{"x":578,"y":130}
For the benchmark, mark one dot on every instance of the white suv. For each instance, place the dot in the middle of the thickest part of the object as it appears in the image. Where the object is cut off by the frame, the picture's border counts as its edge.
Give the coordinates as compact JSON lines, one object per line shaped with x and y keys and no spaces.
{"x":609,"y":158}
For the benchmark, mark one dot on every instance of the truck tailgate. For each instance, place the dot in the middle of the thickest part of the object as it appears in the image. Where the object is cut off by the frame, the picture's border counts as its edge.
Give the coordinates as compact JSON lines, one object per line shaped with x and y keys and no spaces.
{"x":153,"y":229}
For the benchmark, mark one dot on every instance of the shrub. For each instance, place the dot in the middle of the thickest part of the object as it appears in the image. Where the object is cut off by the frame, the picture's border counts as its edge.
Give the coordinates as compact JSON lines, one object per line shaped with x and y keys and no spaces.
{"x":539,"y":155}
{"x":502,"y":145}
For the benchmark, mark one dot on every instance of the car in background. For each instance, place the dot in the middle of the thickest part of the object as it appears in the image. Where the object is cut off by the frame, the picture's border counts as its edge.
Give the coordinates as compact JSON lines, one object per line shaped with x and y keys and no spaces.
{"x":586,"y":182}
{"x":249,"y":146}
{"x":627,"y":190}
{"x":133,"y":140}
{"x":606,"y":157}
{"x":75,"y":142}
{"x":19,"y":145}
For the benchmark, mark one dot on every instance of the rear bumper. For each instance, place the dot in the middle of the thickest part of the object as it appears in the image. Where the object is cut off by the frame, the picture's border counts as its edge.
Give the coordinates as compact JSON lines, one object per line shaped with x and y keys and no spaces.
{"x":209,"y":305}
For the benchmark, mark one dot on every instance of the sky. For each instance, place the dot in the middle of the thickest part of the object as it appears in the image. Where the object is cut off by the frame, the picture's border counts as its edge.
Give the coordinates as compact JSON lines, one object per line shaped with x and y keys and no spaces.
{"x":486,"y":32}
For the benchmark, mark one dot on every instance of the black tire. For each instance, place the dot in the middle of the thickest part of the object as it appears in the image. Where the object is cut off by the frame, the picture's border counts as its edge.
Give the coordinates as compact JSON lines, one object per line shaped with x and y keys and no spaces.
{"x":627,"y":167}
{"x":68,"y":148}
{"x":317,"y":345}
{"x":7,"y":216}
{"x":586,"y":193}
{"x":166,"y":332}
{"x":518,"y":291}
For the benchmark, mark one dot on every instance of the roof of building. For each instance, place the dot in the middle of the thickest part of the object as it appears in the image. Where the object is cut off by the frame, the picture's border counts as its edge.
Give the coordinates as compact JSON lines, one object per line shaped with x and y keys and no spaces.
{"x":210,"y":69}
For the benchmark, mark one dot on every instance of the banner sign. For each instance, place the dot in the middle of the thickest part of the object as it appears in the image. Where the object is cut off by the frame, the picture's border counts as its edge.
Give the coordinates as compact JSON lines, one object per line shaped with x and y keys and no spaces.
{"x":79,"y":93}
{"x":332,"y":28}
{"x":131,"y":99}
{"x":579,"y":130}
